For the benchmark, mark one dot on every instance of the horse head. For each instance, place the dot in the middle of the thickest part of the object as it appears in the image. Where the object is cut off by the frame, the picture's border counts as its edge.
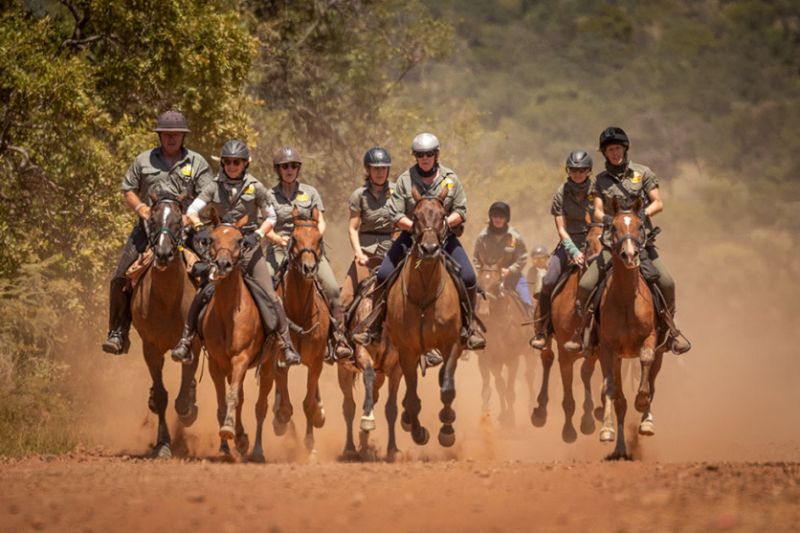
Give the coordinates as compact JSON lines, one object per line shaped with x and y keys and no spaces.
{"x":627,"y":231}
{"x":490,"y":277}
{"x":226,"y":245}
{"x":165,"y":227}
{"x":430,"y":223}
{"x":305,"y":247}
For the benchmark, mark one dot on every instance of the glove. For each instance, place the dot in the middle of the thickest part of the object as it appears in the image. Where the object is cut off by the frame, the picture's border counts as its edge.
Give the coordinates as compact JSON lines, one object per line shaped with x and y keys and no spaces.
{"x":607,"y":221}
{"x":251,"y":240}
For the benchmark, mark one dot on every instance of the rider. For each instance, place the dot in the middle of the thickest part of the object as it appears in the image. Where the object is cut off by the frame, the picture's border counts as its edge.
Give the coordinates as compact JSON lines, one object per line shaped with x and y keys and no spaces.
{"x":286,"y":195}
{"x":168,"y":168}
{"x":539,"y":259}
{"x":428,"y":176}
{"x":625,"y":180}
{"x":234,"y":194}
{"x":502,"y":245}
{"x":370,"y":226}
{"x":571,"y":203}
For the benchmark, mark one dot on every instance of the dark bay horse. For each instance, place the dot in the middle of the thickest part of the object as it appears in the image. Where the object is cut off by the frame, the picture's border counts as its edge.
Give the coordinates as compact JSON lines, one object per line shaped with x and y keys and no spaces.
{"x":506,"y":342}
{"x":423,"y":313}
{"x":376,"y":362}
{"x":232,"y":330}
{"x":159,"y":303}
{"x":306,"y":307}
{"x":565,"y":321}
{"x":628,"y":328}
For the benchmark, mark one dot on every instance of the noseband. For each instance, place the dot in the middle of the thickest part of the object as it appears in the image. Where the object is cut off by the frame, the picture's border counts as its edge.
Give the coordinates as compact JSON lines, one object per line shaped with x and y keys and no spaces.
{"x":441,"y":235}
{"x":164,"y":230}
{"x":638,"y":241}
{"x":295,"y":257}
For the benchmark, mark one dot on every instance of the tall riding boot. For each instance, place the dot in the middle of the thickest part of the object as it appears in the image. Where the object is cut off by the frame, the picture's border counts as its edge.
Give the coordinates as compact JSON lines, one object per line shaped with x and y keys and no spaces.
{"x":182,"y":352}
{"x":119,"y":318}
{"x":290,"y":354}
{"x":680,"y":344}
{"x":474,"y":339}
{"x":372,"y":327}
{"x":342,"y":348}
{"x":575,"y":344}
{"x":541,"y":324}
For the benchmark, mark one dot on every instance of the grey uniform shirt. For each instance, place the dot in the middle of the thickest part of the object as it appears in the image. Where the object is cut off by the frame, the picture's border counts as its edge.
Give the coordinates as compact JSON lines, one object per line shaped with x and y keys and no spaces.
{"x":402,"y":202}
{"x":253,"y":201}
{"x":304,"y":197}
{"x":576,"y":208}
{"x":506,"y":250}
{"x":150,"y":172}
{"x":636,"y":180}
{"x":375,"y":231}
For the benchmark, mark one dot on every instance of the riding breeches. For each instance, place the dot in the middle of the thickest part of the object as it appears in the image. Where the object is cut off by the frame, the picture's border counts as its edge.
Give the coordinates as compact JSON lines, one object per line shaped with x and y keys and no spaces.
{"x":518,"y":283}
{"x":402,"y":244}
{"x":355,"y":275}
{"x":555,"y":267}
{"x":119,"y":314}
{"x":277,"y":255}
{"x":133,"y":247}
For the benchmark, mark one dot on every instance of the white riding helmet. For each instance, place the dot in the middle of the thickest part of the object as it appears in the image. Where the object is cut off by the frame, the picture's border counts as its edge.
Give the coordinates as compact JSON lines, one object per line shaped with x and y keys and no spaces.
{"x":424,"y":142}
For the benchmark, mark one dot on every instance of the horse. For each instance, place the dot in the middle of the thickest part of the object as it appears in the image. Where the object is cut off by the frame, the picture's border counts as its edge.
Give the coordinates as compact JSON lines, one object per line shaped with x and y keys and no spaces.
{"x":377,"y":362}
{"x":305,"y":307}
{"x":628,"y":329}
{"x":232,"y":330}
{"x":424,"y":313}
{"x":159,"y":304}
{"x":506,"y":342}
{"x":565,"y":321}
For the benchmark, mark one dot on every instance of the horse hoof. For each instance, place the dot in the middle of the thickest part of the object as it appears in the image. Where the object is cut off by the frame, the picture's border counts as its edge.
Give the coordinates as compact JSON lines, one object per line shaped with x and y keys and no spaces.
{"x":568,"y":434}
{"x":447,"y":437}
{"x":421,"y":436}
{"x":587,"y":424}
{"x":367,"y":424}
{"x":447,"y":415}
{"x":187,"y":419}
{"x":642,"y":402}
{"x":226,"y":433}
{"x":242,"y":444}
{"x":309,"y":443}
{"x":647,"y":428}
{"x":607,"y":435}
{"x":257,"y":457}
{"x":539,"y":417}
{"x":319,"y":418}
{"x":405,"y":421}
{"x":163,"y":452}
{"x":279,"y":428}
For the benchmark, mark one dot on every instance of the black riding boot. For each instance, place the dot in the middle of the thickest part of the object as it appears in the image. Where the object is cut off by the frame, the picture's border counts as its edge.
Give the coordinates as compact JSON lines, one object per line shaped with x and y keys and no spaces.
{"x":182,"y":352}
{"x":290,"y":354}
{"x":372,"y":327}
{"x":680,"y":344}
{"x":119,"y":318}
{"x":542,"y":324}
{"x":471,"y":336}
{"x":575,"y":344}
{"x":342,"y":349}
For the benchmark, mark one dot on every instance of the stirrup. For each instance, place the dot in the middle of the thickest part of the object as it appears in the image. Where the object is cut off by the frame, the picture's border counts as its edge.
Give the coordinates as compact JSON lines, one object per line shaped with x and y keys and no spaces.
{"x":682,"y":347}
{"x":430,"y":359}
{"x":182,"y":352}
{"x":538,"y":341}
{"x":117,"y":343}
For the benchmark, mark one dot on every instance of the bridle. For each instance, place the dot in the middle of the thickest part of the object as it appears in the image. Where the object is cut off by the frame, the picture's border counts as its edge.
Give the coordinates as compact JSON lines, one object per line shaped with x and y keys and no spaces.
{"x":638,"y":241}
{"x":153,"y":237}
{"x":294,"y":257}
{"x":419,"y":231}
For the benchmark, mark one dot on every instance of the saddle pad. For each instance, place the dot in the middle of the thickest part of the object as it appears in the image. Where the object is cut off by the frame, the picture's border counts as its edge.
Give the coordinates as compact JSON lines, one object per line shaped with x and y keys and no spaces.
{"x":139,"y":267}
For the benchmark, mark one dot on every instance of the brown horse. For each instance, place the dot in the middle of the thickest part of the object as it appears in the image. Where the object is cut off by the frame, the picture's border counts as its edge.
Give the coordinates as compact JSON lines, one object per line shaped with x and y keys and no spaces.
{"x":423,"y":313}
{"x":628,"y":329}
{"x":565,"y":321}
{"x":506,"y":341}
{"x":232,"y":331}
{"x":377,"y":362}
{"x":159,"y":304}
{"x":306,"y":307}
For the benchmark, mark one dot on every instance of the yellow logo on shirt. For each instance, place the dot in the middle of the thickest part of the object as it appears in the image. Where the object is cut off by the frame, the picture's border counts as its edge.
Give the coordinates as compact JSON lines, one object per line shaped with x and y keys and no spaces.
{"x":250,"y":189}
{"x":449,"y":183}
{"x":187,"y":170}
{"x":302,"y":197}
{"x":389,"y":192}
{"x":637,"y":177}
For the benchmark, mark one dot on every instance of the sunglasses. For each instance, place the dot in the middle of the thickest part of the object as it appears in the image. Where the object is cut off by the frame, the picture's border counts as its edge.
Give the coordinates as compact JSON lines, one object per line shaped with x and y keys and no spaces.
{"x":286,"y":166}
{"x":232,"y":162}
{"x":420,"y":155}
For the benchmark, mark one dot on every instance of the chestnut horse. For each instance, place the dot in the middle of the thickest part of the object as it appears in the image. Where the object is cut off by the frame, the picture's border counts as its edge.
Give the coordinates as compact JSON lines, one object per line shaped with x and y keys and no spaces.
{"x":377,"y":361}
{"x":424,"y":313}
{"x":506,"y":341}
{"x":565,"y":321}
{"x":232,"y":332}
{"x":159,"y":304}
{"x":306,"y":307}
{"x":628,"y":328}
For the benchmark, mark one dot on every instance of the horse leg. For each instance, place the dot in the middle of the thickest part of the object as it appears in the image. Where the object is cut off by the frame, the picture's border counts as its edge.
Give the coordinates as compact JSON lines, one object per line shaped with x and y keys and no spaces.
{"x":539,"y":415}
{"x":346,"y":382}
{"x":368,"y":418}
{"x":530,"y":375}
{"x":565,"y":364}
{"x":647,"y":426}
{"x":265,"y":380}
{"x":607,"y":431}
{"x":447,"y":435}
{"x":186,"y":402}
{"x":486,"y":382}
{"x":283,"y":404}
{"x":232,"y":399}
{"x":158,"y":399}
{"x":620,"y":408}
{"x":391,"y":411}
{"x":218,"y":377}
{"x":511,"y":394}
{"x":242,"y":439}
{"x":587,"y":420}
{"x":500,"y":385}
{"x":412,"y":405}
{"x":646,"y":357}
{"x":312,"y":404}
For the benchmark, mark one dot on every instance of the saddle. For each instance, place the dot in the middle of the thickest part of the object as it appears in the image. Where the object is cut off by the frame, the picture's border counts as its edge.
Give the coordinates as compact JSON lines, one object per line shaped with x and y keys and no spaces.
{"x":136,"y":271}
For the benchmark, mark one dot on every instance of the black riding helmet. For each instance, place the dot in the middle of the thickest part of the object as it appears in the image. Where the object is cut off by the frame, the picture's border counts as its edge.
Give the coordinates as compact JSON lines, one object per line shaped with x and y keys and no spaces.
{"x":539,"y":251}
{"x":377,"y":157}
{"x":500,"y":208}
{"x":614,"y":135}
{"x":579,"y":159}
{"x":235,"y":148}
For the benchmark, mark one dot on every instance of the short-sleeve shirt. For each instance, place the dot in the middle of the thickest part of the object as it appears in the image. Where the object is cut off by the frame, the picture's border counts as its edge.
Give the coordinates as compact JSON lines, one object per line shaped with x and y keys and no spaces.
{"x":252,"y":201}
{"x":635,"y":180}
{"x":305,"y":198}
{"x":150,"y":172}
{"x":575,"y":207}
{"x":402,"y":202}
{"x":375,"y":230}
{"x":506,"y":250}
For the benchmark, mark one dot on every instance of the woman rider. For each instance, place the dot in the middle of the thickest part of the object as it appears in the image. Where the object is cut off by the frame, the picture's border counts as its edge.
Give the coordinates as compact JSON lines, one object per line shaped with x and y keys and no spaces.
{"x":235,"y":193}
{"x":626,"y":180}
{"x":571,"y":203}
{"x":370,"y":226}
{"x":285,"y":196}
{"x":428,"y":176}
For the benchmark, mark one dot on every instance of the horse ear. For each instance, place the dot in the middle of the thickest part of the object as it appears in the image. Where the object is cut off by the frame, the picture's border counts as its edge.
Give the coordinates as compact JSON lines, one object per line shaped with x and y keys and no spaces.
{"x":295,"y":212}
{"x":182,"y":196}
{"x":242,"y":222}
{"x":213,"y":216}
{"x":315,"y":214}
{"x":637,"y":204}
{"x":614,"y":205}
{"x":442,"y":194}
{"x":415,"y":194}
{"x":153,"y":196}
